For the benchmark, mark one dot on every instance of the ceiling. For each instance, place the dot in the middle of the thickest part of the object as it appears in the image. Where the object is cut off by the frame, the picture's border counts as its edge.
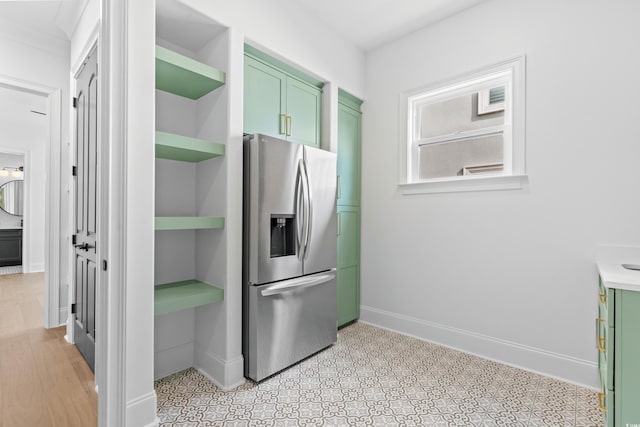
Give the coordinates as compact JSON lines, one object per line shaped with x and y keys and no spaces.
{"x":366,"y":23}
{"x":372,"y":23}
{"x":49,"y":24}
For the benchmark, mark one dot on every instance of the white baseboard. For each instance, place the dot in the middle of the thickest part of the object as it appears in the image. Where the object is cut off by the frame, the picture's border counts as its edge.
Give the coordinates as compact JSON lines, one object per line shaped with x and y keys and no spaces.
{"x":36,"y":267}
{"x":226,"y":374}
{"x":577,"y":371}
{"x":172,"y":360}
{"x":141,"y":411}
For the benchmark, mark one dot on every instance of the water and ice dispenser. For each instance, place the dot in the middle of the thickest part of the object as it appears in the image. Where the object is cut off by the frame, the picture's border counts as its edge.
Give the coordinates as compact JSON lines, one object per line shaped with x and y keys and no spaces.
{"x":283,"y":235}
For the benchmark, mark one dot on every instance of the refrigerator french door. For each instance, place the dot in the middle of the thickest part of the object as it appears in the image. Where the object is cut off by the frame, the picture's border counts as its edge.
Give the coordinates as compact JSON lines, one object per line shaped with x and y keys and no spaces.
{"x":289,"y":253}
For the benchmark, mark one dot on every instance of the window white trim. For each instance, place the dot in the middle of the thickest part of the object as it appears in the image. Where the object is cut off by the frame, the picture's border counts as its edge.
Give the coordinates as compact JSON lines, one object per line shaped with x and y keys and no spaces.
{"x":460,"y":136}
{"x":459,"y":184}
{"x":514,"y":154}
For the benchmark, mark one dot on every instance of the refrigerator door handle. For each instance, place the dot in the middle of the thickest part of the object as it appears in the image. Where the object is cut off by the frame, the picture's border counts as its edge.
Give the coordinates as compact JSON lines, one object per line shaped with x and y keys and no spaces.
{"x":298,"y":283}
{"x":299,"y":206}
{"x":306,"y":208}
{"x":309,"y":210}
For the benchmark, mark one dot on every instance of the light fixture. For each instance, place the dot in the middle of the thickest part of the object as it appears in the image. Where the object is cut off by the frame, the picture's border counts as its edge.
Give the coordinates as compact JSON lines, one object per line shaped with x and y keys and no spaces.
{"x":4,"y":172}
{"x":17,"y":173}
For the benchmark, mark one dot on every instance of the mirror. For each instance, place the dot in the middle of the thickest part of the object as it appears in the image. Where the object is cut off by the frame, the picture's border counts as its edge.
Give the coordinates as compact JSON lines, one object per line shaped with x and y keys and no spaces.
{"x":12,"y":197}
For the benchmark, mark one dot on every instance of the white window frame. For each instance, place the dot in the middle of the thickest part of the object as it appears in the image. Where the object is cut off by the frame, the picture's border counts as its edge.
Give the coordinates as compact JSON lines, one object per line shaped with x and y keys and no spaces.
{"x":511,"y":72}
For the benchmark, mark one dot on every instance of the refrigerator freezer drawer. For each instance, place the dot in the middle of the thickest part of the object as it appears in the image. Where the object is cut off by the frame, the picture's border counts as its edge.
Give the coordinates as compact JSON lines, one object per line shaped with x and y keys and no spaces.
{"x":289,"y":321}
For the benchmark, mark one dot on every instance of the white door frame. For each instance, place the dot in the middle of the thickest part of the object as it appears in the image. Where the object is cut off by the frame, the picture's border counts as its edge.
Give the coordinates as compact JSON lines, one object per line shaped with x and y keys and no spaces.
{"x":52,"y":195}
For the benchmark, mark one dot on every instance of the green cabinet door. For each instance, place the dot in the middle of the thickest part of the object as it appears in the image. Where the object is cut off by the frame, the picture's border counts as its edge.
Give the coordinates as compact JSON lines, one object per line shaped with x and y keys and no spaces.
{"x":264,"y":99}
{"x":626,"y":381}
{"x":348,"y":236}
{"x":280,"y":105}
{"x":349,"y":122}
{"x":348,"y":264}
{"x":303,"y":113}
{"x":348,"y":294}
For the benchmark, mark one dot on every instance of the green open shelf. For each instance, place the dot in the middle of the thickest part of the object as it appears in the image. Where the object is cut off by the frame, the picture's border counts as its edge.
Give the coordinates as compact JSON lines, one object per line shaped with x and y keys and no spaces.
{"x":177,"y":147}
{"x":176,"y":296}
{"x":188,"y":222}
{"x":183,"y":76}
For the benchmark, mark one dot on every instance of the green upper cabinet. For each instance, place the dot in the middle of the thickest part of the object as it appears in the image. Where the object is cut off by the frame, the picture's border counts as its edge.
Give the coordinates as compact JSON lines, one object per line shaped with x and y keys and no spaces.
{"x":303,"y":113}
{"x":280,"y":104}
{"x":264,"y":98}
{"x":349,"y":122}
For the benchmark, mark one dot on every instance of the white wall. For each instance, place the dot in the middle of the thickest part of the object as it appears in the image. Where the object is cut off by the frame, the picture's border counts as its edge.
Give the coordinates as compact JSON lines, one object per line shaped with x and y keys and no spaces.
{"x":45,"y":67}
{"x":139,"y":201}
{"x":290,"y":32}
{"x":509,"y":274}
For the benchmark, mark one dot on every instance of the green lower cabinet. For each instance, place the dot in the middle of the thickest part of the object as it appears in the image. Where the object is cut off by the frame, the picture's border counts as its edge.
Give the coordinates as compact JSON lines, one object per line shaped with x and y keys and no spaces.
{"x":348,"y":236}
{"x":619,"y":348}
{"x":348,"y":294}
{"x":348,"y":264}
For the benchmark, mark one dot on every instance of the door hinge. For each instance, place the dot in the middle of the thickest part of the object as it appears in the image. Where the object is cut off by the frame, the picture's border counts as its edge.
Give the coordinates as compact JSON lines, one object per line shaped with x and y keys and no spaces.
{"x":74,"y":171}
{"x":104,"y":265}
{"x":73,"y":308}
{"x":75,"y":102}
{"x":73,"y":239}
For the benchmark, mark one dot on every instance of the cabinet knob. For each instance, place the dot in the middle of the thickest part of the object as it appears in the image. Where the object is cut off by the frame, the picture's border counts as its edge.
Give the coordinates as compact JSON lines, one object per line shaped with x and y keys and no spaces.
{"x":601,"y":345}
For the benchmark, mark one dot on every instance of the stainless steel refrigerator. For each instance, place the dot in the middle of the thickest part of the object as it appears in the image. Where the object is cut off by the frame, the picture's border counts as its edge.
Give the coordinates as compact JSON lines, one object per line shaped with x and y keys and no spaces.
{"x":289,"y":253}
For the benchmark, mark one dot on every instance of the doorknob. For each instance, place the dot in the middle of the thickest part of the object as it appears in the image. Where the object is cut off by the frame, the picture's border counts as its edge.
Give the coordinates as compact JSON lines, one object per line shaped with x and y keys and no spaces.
{"x":84,"y":246}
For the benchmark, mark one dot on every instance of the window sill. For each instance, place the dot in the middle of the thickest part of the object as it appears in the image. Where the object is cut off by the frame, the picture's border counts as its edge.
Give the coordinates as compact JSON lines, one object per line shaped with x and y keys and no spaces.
{"x":465,"y":184}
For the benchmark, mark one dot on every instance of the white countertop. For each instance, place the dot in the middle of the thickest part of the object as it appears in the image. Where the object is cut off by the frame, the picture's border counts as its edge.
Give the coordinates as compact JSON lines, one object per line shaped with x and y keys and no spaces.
{"x":613,"y":274}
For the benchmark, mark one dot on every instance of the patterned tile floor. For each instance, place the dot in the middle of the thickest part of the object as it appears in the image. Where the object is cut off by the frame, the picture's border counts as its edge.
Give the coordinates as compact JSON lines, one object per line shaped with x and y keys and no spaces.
{"x":374,"y":377}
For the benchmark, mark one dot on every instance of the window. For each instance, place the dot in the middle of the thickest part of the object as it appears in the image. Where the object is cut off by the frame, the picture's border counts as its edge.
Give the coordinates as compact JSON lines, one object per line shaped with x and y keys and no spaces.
{"x":468,"y":131}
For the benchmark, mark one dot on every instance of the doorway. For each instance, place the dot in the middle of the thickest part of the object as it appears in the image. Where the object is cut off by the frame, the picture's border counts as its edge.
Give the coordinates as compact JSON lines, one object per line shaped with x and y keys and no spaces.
{"x":12,"y":211}
{"x":22,"y":103}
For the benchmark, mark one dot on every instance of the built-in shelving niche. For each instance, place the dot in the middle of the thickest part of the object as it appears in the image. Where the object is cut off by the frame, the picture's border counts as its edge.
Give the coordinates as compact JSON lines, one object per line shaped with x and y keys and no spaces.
{"x":188,"y":78}
{"x":192,"y":104}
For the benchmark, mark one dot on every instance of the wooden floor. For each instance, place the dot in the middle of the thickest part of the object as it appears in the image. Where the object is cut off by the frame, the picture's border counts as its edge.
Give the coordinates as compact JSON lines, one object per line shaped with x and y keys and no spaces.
{"x":44,"y":381}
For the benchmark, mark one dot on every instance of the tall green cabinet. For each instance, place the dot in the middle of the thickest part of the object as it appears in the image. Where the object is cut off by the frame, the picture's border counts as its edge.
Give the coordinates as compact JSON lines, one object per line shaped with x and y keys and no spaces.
{"x":280,"y":101}
{"x":618,"y":344}
{"x":349,"y":142}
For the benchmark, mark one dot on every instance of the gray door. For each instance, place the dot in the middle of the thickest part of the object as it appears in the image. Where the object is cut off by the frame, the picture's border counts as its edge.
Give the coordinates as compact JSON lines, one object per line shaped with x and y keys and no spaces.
{"x":274,"y":194}
{"x":321,"y":247}
{"x":85,"y":271}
